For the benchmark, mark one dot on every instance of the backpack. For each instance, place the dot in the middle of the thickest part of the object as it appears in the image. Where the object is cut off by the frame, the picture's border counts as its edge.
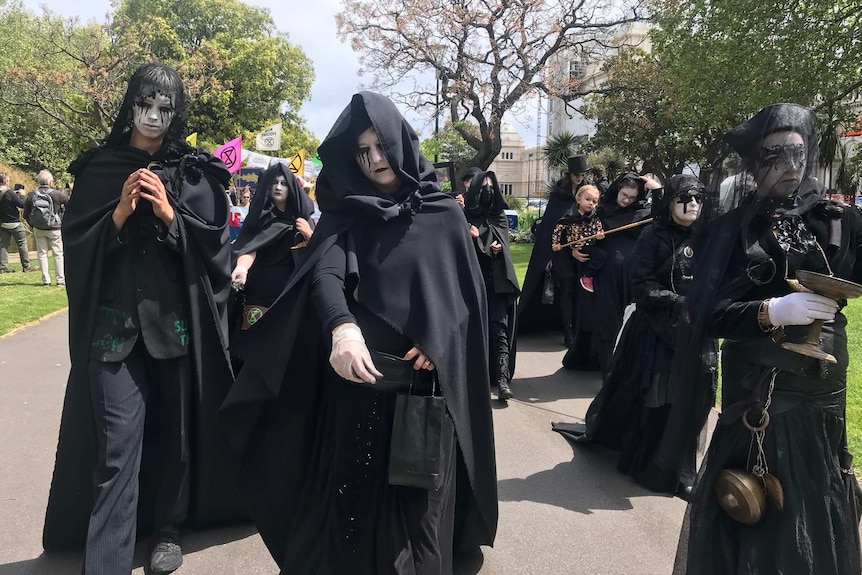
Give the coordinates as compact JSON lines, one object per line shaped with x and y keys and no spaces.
{"x":43,"y":215}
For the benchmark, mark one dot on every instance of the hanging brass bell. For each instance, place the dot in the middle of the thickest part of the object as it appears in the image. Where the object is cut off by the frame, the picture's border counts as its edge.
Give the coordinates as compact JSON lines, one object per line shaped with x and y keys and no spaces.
{"x":741,"y":495}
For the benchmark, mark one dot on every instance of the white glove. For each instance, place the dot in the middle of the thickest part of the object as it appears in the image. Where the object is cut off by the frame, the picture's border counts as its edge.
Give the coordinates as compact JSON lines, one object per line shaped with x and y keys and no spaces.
{"x":801,"y":308}
{"x":350,"y":357}
{"x":238,"y":277}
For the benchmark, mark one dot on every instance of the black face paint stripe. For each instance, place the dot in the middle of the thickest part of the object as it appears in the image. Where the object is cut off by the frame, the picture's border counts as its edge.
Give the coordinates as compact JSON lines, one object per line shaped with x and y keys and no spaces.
{"x":364,"y":158}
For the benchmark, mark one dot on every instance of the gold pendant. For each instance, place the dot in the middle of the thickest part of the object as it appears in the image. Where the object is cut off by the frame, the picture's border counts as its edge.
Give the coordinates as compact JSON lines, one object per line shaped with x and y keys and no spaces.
{"x":774,"y":490}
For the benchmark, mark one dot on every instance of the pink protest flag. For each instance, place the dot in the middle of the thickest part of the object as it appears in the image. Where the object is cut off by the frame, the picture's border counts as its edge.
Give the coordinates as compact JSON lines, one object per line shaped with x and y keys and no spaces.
{"x":231,"y":154}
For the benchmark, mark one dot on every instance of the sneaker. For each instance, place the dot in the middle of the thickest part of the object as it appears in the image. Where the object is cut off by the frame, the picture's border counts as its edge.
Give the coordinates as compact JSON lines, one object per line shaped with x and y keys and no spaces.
{"x":30,"y":269}
{"x":167,"y":556}
{"x":587,"y":283}
{"x":7,"y":271}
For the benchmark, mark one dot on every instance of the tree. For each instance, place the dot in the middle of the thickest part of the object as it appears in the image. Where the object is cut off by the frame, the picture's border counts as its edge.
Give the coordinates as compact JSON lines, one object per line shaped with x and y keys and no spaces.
{"x":450,"y":146}
{"x":559,"y":148}
{"x":239,"y":72}
{"x":638,"y":117}
{"x":488,"y":54}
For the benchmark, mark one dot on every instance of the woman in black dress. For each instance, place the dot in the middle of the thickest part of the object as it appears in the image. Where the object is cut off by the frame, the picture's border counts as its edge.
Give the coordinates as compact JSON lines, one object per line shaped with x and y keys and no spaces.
{"x":741,"y":293}
{"x":390,"y":269}
{"x":275,"y":229}
{"x":630,"y":412}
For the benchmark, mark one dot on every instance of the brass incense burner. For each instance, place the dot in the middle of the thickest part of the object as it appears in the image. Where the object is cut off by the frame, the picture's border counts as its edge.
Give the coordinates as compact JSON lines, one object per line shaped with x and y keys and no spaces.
{"x":831,"y":287}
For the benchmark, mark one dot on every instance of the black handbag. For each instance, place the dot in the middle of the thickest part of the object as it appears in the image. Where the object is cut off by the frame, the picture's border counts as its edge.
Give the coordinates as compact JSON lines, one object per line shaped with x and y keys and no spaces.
{"x":399,"y":375}
{"x":548,"y":289}
{"x":416,"y":457}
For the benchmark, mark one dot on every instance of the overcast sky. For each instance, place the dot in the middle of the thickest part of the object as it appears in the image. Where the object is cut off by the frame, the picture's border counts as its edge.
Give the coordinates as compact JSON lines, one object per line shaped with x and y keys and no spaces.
{"x":311,"y":25}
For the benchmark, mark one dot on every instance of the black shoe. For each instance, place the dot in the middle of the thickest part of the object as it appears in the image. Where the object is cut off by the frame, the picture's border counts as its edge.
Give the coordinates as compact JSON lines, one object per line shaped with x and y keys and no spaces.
{"x":166,"y":556}
{"x":504,"y":392}
{"x":30,"y":269}
{"x":8,"y":271}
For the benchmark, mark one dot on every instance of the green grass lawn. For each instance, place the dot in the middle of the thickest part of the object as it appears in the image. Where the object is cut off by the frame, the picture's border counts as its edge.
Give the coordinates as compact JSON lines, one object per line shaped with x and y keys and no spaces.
{"x":24,"y":299}
{"x":521,"y":257}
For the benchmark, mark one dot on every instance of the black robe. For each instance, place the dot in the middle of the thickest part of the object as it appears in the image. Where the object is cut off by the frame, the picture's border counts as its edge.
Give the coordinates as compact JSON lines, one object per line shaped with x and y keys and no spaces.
{"x":418,"y":273}
{"x":805,"y":442}
{"x":599,"y":315}
{"x":501,"y":281}
{"x":533,"y":315}
{"x":195,"y":182}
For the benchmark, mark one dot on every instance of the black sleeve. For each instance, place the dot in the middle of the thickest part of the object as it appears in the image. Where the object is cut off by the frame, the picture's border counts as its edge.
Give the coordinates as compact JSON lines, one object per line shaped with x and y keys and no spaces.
{"x":327,"y":289}
{"x":647,"y":292}
{"x":736,"y":320}
{"x":16,"y":198}
{"x":855,"y":221}
{"x":28,"y":207}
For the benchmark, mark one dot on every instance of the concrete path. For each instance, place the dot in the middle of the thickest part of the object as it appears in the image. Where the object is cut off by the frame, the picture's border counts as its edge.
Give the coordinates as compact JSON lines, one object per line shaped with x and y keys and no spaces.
{"x":563,"y":511}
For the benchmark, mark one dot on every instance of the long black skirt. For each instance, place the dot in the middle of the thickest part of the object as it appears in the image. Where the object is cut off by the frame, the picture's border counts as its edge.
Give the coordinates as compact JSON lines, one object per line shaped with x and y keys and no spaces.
{"x":817,"y":532}
{"x":349,"y":519}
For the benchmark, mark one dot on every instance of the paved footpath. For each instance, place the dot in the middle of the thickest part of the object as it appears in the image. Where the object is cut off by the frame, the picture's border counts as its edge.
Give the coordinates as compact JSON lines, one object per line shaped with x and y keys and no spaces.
{"x":562,"y":511}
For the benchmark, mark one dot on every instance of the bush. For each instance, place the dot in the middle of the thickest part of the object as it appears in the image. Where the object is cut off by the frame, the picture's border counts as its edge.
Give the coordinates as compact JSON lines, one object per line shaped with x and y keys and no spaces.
{"x":520,"y":236}
{"x":516,"y":204}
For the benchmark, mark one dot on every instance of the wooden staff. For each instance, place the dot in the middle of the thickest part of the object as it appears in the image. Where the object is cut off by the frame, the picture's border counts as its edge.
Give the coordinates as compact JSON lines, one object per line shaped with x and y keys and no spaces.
{"x":619,"y":229}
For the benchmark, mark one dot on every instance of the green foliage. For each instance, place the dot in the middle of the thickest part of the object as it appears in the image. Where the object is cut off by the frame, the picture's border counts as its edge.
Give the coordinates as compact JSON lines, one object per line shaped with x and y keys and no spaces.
{"x":559,"y":148}
{"x":66,"y":79}
{"x":450,"y":146}
{"x":516,"y":204}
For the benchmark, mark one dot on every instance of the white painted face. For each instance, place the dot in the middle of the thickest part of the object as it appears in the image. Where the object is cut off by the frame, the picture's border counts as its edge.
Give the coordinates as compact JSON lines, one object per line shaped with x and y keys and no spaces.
{"x":153,"y":114}
{"x":780,"y":164}
{"x":373,"y":163}
{"x":685,"y":209}
{"x":278,"y":192}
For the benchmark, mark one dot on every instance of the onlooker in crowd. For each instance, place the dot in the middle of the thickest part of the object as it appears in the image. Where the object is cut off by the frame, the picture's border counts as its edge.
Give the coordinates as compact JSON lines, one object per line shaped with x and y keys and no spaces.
{"x":43,"y":210}
{"x":11,"y":226}
{"x":600,"y":178}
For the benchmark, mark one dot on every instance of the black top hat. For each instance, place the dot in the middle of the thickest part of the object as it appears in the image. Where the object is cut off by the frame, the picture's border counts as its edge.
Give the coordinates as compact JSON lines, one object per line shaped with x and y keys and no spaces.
{"x":745,"y":137}
{"x":578,"y":164}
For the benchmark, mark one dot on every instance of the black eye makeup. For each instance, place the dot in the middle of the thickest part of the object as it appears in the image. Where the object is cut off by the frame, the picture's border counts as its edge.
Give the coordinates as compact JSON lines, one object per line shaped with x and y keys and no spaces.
{"x":689,"y":196}
{"x":792,"y":156}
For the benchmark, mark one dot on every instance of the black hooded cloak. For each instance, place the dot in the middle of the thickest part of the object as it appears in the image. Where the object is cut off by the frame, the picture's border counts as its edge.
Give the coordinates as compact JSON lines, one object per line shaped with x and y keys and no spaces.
{"x":195,"y":182}
{"x":411,"y":264}
{"x":272,"y":234}
{"x":750,"y":251}
{"x":497,"y":269}
{"x":630,"y":412}
{"x":599,"y":315}
{"x":532,"y":314}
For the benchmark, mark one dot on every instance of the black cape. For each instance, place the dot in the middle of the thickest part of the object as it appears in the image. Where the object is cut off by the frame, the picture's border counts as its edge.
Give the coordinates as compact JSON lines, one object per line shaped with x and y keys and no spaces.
{"x":195,"y":181}
{"x":599,"y":315}
{"x":493,"y":226}
{"x":435,"y":297}
{"x":264,"y":224}
{"x":533,"y":315}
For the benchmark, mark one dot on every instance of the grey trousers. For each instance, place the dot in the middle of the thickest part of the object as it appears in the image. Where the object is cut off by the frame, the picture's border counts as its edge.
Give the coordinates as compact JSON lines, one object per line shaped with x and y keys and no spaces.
{"x":20,"y":234}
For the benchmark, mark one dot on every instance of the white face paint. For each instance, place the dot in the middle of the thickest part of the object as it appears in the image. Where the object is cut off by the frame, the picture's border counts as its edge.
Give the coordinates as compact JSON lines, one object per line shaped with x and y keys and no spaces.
{"x":780,"y":164}
{"x":153,"y":114}
{"x":685,"y":209}
{"x":373,"y":163}
{"x":278,"y":192}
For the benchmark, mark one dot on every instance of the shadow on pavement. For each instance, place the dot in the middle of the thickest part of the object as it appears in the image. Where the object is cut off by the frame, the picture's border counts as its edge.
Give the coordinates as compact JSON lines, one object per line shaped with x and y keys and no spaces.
{"x":562,"y":384}
{"x":589,"y":482}
{"x":69,"y":563}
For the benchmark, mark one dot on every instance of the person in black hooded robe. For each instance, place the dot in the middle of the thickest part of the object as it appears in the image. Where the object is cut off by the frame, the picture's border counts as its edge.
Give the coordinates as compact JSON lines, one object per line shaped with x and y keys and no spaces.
{"x":741,"y":293}
{"x":148,"y":278}
{"x":630,"y":412}
{"x":533,"y":315}
{"x":390,"y":268}
{"x":483,"y":205}
{"x":275,"y":230}
{"x":599,"y":315}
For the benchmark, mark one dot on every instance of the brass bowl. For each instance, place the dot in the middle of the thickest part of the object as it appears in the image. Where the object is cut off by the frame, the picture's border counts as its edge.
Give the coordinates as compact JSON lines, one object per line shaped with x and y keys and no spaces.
{"x":741,"y":495}
{"x":829,"y":286}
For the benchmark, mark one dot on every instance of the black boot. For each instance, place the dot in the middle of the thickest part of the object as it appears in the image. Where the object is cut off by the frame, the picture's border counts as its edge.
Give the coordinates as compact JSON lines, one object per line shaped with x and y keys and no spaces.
{"x":166,"y":556}
{"x":568,"y":335}
{"x":503,"y":390}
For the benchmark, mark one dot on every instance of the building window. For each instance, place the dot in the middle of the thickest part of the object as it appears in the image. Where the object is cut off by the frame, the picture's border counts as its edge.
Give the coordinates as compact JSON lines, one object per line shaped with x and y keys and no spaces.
{"x":577,"y":69}
{"x":507,"y":156}
{"x":507,"y":189}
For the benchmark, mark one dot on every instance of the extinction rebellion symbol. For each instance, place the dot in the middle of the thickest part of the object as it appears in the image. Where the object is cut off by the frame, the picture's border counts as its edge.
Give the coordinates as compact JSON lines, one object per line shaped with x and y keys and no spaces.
{"x":254,"y":314}
{"x":228,"y":156}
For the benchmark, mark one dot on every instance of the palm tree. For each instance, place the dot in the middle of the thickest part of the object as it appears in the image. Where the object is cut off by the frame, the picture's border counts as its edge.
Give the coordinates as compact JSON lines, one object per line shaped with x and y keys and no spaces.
{"x":559,"y":148}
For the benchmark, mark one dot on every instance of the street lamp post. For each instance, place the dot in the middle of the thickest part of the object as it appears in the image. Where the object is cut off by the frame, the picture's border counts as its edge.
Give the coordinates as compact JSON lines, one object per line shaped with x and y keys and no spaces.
{"x":437,"y":116}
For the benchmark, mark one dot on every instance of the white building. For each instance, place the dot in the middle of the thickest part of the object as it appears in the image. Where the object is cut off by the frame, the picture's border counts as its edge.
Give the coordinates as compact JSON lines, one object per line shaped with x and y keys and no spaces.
{"x":585,"y":72}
